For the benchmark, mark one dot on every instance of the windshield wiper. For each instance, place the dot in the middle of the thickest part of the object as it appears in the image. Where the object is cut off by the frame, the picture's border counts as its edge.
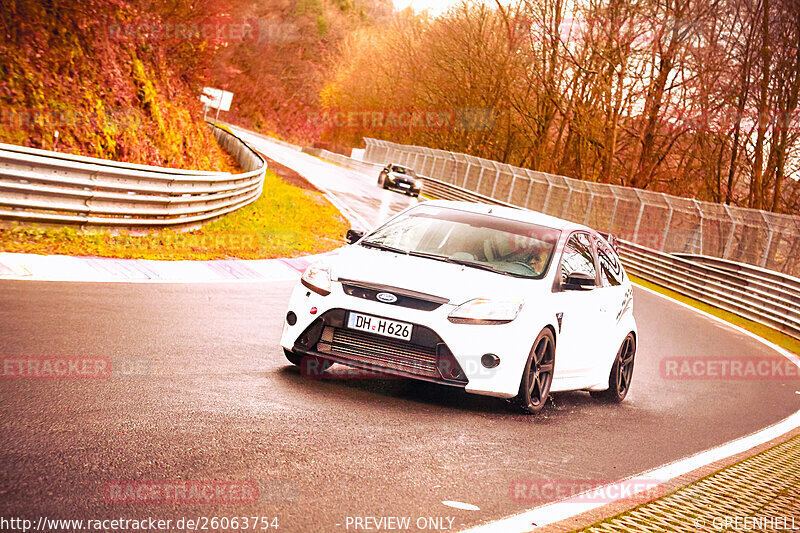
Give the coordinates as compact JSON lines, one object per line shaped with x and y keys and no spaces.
{"x":464,"y":262}
{"x":430,"y":256}
{"x":379,"y":246}
{"x":481,"y":266}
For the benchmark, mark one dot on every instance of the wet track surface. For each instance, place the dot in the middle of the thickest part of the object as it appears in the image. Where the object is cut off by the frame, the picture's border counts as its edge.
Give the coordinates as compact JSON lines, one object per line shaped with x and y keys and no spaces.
{"x":356,"y":191}
{"x":200,"y":390}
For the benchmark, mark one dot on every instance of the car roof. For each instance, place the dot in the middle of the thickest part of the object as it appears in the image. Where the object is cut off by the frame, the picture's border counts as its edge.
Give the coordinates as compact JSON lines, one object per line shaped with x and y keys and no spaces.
{"x":512,"y":213}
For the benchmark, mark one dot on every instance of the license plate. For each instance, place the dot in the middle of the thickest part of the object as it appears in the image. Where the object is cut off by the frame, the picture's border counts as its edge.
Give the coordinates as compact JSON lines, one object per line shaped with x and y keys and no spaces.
{"x":404,"y":185}
{"x":381,"y":326}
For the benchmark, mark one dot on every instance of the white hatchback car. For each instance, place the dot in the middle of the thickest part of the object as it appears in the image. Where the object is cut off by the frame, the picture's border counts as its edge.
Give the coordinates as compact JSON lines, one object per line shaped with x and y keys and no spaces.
{"x":499,"y":301}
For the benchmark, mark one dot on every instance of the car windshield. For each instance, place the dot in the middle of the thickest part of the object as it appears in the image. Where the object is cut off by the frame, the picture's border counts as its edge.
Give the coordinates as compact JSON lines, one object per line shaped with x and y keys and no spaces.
{"x":477,"y":240}
{"x":403,"y":170}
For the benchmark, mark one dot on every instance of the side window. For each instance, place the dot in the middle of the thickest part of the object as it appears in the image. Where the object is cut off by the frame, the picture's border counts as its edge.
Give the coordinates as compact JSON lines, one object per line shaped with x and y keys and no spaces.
{"x":610,"y":268}
{"x":578,"y":256}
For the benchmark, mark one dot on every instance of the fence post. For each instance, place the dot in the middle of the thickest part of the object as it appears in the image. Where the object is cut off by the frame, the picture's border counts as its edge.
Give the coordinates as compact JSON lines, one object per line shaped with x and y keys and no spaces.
{"x":480,"y":178}
{"x":528,"y":194}
{"x":496,"y":179}
{"x":589,"y":208}
{"x":769,"y":240}
{"x":702,"y":218}
{"x":613,"y":213}
{"x":511,"y":189}
{"x":726,"y":253}
{"x":566,"y":202}
{"x":666,"y":226}
{"x":638,"y":222}
{"x":547,"y":197}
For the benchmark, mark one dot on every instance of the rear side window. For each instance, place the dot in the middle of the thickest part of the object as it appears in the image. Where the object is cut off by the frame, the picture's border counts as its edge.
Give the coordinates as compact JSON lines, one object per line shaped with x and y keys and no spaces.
{"x":578,"y":256}
{"x":610,"y":267}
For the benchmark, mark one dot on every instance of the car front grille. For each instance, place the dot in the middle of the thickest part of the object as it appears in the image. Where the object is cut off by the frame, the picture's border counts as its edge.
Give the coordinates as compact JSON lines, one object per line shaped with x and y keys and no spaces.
{"x":404,"y":298}
{"x":380,"y":351}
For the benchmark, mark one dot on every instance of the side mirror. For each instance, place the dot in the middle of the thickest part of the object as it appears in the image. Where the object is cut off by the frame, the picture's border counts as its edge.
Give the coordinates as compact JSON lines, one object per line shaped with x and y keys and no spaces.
{"x":353,"y":235}
{"x":579,"y":281}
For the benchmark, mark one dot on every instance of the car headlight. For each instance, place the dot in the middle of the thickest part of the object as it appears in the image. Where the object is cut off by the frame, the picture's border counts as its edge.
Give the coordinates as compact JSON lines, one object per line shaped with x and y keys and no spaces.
{"x":317,"y":278}
{"x":485,"y":311}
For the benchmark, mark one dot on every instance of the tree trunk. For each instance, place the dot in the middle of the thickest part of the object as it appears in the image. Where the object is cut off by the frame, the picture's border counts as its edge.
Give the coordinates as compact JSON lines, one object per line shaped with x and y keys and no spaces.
{"x":756,"y":188}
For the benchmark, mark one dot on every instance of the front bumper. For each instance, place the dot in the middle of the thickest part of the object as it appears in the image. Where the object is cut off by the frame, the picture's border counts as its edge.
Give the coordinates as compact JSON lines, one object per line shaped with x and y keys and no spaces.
{"x":425,"y":356}
{"x":439,"y":351}
{"x":403,"y":186}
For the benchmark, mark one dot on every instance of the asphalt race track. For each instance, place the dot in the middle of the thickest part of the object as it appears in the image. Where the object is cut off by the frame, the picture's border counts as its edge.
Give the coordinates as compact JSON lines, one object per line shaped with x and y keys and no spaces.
{"x":200,"y":390}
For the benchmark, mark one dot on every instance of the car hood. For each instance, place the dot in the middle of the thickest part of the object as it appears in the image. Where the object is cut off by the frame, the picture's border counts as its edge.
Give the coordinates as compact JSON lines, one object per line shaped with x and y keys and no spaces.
{"x":397,"y":175}
{"x":457,"y":283}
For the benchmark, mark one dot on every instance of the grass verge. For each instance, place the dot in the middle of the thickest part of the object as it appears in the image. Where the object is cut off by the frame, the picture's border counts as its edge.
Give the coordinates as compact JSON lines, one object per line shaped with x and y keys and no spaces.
{"x":772,"y":335}
{"x":285,"y":221}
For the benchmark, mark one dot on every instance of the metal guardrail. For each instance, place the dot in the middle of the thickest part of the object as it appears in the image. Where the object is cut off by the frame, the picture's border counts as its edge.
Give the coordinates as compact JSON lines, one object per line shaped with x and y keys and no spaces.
{"x":434,"y":188}
{"x":763,"y":296}
{"x":661,"y":221}
{"x":767,"y":297}
{"x":55,"y":188}
{"x":269,"y":138}
{"x":365,"y":167}
{"x":755,"y":295}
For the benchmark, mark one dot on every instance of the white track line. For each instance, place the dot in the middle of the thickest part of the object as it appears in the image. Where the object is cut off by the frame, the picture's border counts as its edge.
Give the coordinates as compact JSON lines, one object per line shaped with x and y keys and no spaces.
{"x":584,"y":502}
{"x":62,"y":268}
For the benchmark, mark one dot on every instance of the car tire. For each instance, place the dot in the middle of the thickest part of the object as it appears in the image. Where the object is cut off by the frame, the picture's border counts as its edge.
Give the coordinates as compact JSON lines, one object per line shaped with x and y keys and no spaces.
{"x":293,"y":358}
{"x":534,"y":387}
{"x":619,"y":380}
